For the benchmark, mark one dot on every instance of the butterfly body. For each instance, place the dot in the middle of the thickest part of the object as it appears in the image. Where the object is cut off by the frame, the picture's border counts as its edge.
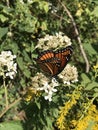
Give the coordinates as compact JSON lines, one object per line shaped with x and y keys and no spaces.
{"x":53,"y":62}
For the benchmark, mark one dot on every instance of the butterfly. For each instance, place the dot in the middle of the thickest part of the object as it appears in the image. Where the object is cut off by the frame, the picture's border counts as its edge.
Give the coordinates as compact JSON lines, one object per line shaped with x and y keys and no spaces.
{"x":53,"y":62}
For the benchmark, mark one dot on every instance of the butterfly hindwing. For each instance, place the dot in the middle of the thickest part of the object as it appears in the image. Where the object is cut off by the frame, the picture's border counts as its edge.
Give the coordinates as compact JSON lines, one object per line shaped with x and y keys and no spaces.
{"x":50,"y":66}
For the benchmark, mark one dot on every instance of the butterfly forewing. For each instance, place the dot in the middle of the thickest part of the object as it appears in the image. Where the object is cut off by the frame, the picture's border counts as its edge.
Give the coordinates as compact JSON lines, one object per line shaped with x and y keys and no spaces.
{"x":46,"y":55}
{"x":64,"y":55}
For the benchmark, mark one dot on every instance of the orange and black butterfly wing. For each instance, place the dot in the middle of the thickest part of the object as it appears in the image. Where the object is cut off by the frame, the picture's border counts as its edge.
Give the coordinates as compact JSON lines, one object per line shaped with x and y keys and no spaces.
{"x":54,"y":62}
{"x":48,"y":63}
{"x":64,"y":55}
{"x":50,"y":66}
{"x":45,"y":55}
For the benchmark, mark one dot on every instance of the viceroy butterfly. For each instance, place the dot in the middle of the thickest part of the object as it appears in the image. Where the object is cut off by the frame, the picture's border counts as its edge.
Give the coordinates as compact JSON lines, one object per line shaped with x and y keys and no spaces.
{"x":53,"y":62}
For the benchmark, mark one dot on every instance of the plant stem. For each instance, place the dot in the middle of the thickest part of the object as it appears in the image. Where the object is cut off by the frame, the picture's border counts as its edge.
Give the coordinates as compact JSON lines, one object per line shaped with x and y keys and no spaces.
{"x":6,"y":94}
{"x":7,"y":2}
{"x":78,"y":37}
{"x":9,"y":107}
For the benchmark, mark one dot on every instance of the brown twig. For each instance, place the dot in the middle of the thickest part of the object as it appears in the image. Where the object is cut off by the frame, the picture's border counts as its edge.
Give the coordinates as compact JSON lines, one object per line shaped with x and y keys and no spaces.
{"x":7,"y":2}
{"x":11,"y":105}
{"x":77,"y":34}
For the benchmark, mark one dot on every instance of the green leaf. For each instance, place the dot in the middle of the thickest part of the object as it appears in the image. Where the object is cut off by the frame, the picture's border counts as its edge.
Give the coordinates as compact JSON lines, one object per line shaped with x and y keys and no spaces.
{"x":3,"y":31}
{"x":13,"y":125}
{"x":26,"y":56}
{"x":27,"y":73}
{"x":44,"y":25}
{"x":22,"y":82}
{"x":38,"y":104}
{"x":90,"y":49}
{"x":3,"y":18}
{"x":85,"y":78}
{"x":91,"y":85}
{"x":23,"y":68}
{"x":91,"y":123}
{"x":95,"y":12}
{"x":55,"y":112}
{"x":20,"y":63}
{"x":49,"y":123}
{"x":11,"y":45}
{"x":46,"y":7}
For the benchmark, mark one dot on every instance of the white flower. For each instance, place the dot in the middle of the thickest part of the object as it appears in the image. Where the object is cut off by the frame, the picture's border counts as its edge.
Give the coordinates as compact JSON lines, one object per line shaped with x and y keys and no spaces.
{"x":54,"y":82}
{"x":10,"y":74}
{"x":30,"y":1}
{"x":53,"y":41}
{"x":21,"y":1}
{"x":8,"y":67}
{"x":50,"y":90}
{"x":48,"y":97}
{"x":69,"y":74}
{"x":45,"y":87}
{"x":42,"y":83}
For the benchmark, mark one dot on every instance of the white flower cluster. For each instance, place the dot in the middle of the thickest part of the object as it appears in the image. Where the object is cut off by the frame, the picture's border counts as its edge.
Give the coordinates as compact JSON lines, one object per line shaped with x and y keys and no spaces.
{"x":42,"y":83}
{"x":7,"y":65}
{"x":69,"y":74}
{"x":49,"y":89}
{"x":51,"y":42}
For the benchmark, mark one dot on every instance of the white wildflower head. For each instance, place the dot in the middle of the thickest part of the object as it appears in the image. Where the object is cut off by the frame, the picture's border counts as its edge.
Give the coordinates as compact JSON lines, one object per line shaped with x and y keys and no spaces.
{"x":21,"y":1}
{"x":69,"y":74}
{"x":42,"y":83}
{"x":8,"y":67}
{"x":53,"y":41}
{"x":30,"y":1}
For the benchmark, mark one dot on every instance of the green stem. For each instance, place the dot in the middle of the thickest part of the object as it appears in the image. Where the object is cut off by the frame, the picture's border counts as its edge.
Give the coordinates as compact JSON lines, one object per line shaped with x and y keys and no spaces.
{"x":6,"y":94}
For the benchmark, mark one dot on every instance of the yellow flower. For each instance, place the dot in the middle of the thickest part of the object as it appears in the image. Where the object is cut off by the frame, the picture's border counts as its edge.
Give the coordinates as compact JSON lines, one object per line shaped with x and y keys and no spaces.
{"x":61,"y":123}
{"x":89,"y":120}
{"x":73,"y":123}
{"x":79,"y":12}
{"x":30,"y":94}
{"x":95,"y":127}
{"x":96,"y":70}
{"x":95,"y":66}
{"x":82,"y":124}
